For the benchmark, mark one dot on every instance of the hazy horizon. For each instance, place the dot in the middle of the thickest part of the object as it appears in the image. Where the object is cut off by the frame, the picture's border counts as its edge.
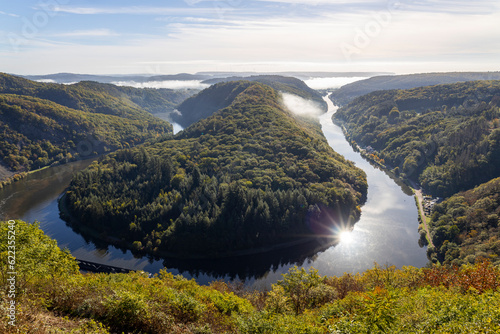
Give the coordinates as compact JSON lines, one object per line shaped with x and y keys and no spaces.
{"x":190,"y":36}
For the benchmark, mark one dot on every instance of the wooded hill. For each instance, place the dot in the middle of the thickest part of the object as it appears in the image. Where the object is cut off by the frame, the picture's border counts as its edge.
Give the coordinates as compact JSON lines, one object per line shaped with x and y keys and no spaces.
{"x":45,"y":123}
{"x":447,"y":137}
{"x":221,"y":95}
{"x":249,"y":176}
{"x":465,"y":226}
{"x":349,"y":92}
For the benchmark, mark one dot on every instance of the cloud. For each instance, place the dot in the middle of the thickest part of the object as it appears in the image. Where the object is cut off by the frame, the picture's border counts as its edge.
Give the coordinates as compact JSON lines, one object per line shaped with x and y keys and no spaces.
{"x":89,"y":33}
{"x":171,"y":84}
{"x":46,"y":80}
{"x":326,"y":83}
{"x":9,"y":14}
{"x":300,"y":106}
{"x":132,"y":10}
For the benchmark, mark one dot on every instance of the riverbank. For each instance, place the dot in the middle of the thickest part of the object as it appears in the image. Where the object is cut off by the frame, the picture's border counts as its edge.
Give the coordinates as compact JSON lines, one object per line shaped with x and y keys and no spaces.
{"x":422,"y":216}
{"x":415,"y":190}
{"x":316,"y":242}
{"x":8,"y":177}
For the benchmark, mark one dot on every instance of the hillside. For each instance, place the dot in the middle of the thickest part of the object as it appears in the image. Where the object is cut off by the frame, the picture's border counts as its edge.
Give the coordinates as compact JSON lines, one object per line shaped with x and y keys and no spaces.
{"x":45,"y":123}
{"x":97,"y":97}
{"x":152,"y":100}
{"x":249,"y":176}
{"x":349,"y":92}
{"x":447,"y":137}
{"x":224,"y":90}
{"x":51,"y":296}
{"x":465,"y":226}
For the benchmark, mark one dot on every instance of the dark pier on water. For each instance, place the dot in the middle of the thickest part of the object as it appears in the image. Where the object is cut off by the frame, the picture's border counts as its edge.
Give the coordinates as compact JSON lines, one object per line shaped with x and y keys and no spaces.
{"x":100,"y":268}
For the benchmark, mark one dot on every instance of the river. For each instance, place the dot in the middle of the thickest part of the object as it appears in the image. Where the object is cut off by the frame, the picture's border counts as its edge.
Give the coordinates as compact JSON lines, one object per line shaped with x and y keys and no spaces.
{"x":386,"y":232}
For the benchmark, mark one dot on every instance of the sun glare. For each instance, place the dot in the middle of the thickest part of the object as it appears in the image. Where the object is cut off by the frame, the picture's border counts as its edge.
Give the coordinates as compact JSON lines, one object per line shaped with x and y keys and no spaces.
{"x":345,"y":237}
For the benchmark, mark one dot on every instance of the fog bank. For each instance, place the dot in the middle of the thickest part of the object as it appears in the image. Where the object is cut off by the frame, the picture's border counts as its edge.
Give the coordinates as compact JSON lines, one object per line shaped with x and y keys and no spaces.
{"x":300,"y":106}
{"x":170,"y":84}
{"x":334,"y":82}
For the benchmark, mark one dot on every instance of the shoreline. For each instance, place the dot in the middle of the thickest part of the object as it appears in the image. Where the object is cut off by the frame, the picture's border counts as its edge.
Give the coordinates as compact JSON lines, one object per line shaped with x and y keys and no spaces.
{"x":416,"y":191}
{"x":66,"y":215}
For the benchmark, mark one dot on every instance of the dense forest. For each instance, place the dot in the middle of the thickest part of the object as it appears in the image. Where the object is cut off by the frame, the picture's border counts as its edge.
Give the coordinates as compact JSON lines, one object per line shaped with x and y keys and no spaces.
{"x":446,"y":137}
{"x":221,"y":94}
{"x":249,"y":176}
{"x":45,"y":123}
{"x":349,"y":92}
{"x":52,"y":296}
{"x":465,"y":226}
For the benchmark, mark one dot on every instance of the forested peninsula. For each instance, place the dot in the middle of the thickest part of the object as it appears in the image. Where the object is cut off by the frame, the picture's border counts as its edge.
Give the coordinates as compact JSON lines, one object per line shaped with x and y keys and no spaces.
{"x":251,"y":175}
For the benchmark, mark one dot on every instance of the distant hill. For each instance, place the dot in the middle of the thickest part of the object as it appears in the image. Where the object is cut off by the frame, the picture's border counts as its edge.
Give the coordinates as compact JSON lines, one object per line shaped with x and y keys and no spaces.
{"x":153,"y":100}
{"x":225,"y":90}
{"x":250,"y":177}
{"x":302,"y":75}
{"x":349,"y":92}
{"x":69,"y":78}
{"x":45,"y":123}
{"x":278,"y":82}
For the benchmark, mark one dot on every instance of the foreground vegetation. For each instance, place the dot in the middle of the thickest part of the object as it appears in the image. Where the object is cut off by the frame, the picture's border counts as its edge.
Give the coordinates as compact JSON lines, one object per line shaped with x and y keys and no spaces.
{"x":249,"y":176}
{"x":51,"y":296}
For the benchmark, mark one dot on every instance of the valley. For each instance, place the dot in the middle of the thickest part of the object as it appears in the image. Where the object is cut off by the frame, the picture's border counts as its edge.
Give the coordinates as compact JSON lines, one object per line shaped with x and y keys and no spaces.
{"x":253,"y":196}
{"x":370,"y":241}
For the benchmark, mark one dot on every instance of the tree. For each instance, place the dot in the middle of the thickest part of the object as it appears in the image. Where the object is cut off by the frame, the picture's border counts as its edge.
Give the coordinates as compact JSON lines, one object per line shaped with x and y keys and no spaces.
{"x":298,"y":284}
{"x":393,"y":115}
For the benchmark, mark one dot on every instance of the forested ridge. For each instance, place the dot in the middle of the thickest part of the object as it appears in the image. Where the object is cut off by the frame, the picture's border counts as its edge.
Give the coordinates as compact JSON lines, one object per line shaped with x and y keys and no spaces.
{"x":349,"y":92}
{"x":52,"y":296}
{"x":45,"y":123}
{"x":250,"y":175}
{"x":447,"y":137}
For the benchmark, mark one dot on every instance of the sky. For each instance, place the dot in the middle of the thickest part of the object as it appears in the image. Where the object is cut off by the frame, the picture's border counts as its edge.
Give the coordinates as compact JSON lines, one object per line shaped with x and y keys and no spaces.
{"x":177,"y":36}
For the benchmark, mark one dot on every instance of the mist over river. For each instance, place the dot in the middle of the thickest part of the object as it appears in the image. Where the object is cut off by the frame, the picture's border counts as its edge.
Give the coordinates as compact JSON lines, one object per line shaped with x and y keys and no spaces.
{"x":387,"y":232}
